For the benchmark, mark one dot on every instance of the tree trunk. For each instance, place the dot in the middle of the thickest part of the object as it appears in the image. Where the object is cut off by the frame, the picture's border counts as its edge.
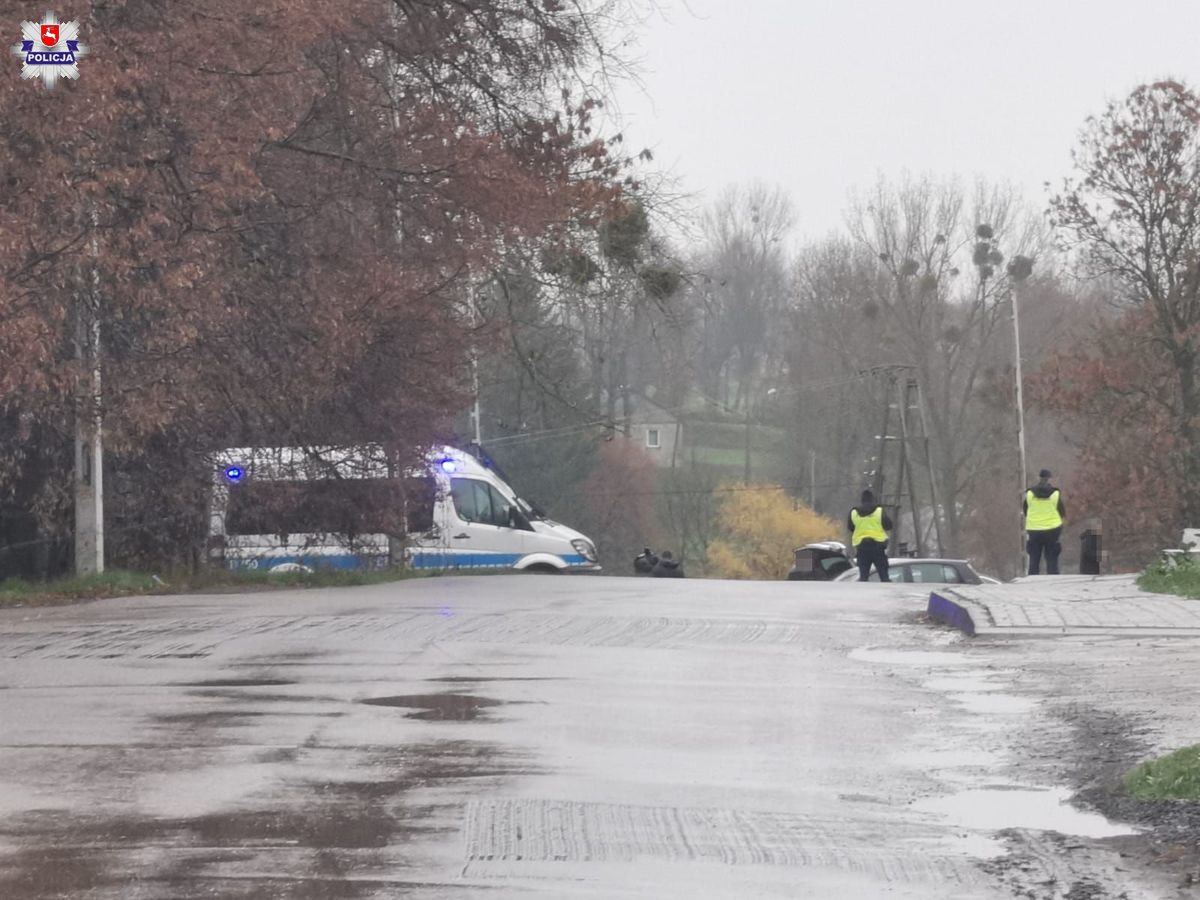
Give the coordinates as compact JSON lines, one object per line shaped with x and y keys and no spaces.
{"x":626,"y":399}
{"x":1189,"y":444}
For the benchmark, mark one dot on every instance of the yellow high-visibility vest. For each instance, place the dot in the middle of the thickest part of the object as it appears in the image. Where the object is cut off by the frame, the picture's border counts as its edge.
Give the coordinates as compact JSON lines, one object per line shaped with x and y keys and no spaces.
{"x":1042,"y":514}
{"x":868,"y":526}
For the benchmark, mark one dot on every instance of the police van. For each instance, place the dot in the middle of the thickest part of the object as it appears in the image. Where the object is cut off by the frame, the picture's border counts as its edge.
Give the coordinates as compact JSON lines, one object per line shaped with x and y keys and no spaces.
{"x":299,"y":509}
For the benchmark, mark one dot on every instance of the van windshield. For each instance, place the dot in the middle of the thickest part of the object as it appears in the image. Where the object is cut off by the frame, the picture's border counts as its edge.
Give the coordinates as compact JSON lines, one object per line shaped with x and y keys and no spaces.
{"x":343,"y":507}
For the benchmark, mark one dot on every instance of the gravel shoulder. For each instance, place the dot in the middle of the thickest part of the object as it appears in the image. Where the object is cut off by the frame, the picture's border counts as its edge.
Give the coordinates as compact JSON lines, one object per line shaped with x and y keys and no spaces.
{"x":1106,"y":745}
{"x":1109,"y":703}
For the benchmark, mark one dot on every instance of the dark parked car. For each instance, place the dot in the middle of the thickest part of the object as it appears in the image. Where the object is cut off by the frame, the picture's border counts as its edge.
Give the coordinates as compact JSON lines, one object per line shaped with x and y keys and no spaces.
{"x":822,"y":561}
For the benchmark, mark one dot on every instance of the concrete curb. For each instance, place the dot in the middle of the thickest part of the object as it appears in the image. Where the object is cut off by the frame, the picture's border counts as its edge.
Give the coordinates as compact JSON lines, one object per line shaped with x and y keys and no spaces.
{"x":1063,"y":606}
{"x":952,"y":613}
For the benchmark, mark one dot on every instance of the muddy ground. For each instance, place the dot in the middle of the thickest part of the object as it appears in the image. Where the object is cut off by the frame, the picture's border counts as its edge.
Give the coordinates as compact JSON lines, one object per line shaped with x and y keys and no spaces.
{"x":1105,"y":746}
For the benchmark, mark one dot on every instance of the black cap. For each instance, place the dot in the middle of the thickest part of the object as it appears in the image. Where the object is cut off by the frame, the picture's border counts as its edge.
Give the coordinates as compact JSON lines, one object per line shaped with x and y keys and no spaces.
{"x":867,"y":496}
{"x":1045,"y":473}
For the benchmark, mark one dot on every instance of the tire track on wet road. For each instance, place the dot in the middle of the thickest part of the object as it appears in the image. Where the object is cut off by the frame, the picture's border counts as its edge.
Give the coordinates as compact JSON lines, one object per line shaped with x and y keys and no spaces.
{"x":568,"y":831}
{"x":182,"y":638}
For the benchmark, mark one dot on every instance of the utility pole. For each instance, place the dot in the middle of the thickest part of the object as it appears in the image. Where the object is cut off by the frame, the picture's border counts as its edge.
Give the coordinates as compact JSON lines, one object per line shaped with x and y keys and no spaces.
{"x":746,"y":396}
{"x":1019,"y":270}
{"x":905,"y":397}
{"x":906,"y":470}
{"x":933,"y":497}
{"x":812,"y":479}
{"x":89,"y":440}
{"x":475,"y":410}
{"x":1016,"y":323}
{"x":746,"y":476}
{"x":475,"y":414}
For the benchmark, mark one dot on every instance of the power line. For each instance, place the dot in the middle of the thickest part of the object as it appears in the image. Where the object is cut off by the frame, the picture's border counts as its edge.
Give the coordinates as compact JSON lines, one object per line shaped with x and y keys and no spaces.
{"x":677,"y":411}
{"x":547,"y":432}
{"x":714,"y":490}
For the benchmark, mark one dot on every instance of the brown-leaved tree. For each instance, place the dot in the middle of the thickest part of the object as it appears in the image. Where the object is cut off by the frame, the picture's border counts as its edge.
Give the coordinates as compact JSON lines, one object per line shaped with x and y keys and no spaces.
{"x":1132,"y":213}
{"x":274,"y":212}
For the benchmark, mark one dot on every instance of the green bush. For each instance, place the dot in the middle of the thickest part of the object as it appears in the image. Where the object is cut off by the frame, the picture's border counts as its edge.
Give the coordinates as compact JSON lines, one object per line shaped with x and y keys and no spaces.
{"x":1172,"y":777}
{"x":1181,"y":578}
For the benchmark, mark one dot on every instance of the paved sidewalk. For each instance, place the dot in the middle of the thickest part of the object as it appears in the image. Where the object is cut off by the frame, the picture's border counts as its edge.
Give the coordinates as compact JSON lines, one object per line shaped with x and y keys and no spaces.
{"x":1064,"y":604}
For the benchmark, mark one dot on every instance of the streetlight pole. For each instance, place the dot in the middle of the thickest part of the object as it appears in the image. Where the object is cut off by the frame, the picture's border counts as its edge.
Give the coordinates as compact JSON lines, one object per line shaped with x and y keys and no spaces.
{"x":812,"y":479}
{"x":746,"y":475}
{"x":770,"y":393}
{"x":1019,"y":270}
{"x":475,"y":412}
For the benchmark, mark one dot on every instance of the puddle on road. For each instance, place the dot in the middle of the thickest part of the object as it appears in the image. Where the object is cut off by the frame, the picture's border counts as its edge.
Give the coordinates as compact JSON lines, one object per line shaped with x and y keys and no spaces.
{"x":1016,"y":806}
{"x":438,"y":707}
{"x":211,"y":718}
{"x":480,"y":679}
{"x":237,"y":682}
{"x":966,"y":684}
{"x":1000,"y":704}
{"x":327,"y":831}
{"x":976,"y":846}
{"x":941,"y":760}
{"x":909,"y":657}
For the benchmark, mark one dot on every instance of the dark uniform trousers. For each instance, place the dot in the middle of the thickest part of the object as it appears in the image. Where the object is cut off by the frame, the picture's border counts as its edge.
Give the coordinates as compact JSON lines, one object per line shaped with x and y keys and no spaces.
{"x":871,"y":552}
{"x":1044,"y":542}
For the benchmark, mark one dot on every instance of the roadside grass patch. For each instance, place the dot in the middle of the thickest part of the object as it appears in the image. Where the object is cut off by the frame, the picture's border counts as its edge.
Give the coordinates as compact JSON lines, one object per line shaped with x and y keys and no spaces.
{"x":1181,"y":578}
{"x":121,"y":583}
{"x":113,"y":583}
{"x":1175,"y":776}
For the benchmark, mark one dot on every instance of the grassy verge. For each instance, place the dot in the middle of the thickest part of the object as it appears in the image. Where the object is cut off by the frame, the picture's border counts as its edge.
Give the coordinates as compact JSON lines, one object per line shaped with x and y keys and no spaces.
{"x":120,"y":583}
{"x":1181,"y":579}
{"x":1175,"y":776}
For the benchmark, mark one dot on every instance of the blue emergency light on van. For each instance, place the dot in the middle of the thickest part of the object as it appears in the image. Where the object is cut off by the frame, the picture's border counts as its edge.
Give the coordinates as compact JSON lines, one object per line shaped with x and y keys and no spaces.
{"x":292,"y":508}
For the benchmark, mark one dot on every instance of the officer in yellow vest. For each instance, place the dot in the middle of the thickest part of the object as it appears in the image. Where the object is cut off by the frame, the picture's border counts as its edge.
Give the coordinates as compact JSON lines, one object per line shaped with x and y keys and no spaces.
{"x":1045,"y":514}
{"x":869,"y":525}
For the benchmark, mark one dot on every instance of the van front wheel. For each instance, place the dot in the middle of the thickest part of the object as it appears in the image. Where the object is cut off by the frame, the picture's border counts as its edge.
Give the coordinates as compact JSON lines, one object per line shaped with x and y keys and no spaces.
{"x":541,"y":569}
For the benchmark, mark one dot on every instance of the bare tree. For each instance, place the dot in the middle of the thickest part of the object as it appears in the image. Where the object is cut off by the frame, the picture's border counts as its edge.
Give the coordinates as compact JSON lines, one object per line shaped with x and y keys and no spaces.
{"x":745,"y":289}
{"x":828,"y":347}
{"x":939,"y":308}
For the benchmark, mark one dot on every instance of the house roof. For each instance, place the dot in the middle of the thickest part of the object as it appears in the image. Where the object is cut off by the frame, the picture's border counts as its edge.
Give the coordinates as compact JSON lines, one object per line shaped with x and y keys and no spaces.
{"x":647,"y":412}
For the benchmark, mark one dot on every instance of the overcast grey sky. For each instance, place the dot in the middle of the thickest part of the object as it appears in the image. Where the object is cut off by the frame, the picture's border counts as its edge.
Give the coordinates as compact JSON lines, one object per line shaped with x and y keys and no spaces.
{"x":821,"y":96}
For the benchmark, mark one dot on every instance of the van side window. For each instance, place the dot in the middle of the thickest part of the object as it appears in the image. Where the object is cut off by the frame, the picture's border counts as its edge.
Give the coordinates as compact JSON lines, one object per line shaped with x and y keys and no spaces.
{"x":501,"y":509}
{"x":472,"y":500}
{"x":483,"y":503}
{"x":478,"y":501}
{"x":462,"y":492}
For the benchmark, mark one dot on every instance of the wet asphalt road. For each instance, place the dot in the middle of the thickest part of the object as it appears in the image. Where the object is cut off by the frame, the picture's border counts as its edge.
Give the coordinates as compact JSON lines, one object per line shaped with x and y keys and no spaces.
{"x":528,"y":736}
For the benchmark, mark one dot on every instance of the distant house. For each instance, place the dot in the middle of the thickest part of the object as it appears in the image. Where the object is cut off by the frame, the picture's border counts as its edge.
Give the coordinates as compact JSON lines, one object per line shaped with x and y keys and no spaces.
{"x":657,"y":431}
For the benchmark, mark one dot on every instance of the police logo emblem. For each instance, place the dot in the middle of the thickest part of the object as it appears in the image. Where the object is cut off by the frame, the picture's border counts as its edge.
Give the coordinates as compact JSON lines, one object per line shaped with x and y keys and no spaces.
{"x":50,"y":50}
